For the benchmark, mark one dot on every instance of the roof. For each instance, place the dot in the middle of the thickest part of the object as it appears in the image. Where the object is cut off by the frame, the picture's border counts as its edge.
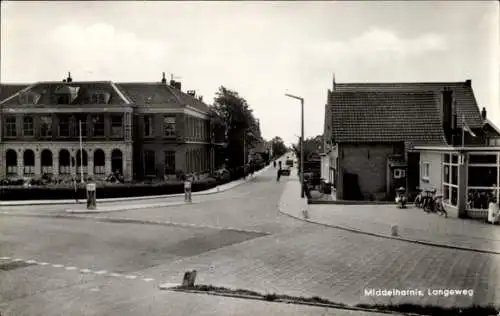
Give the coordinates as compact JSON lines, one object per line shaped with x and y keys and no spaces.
{"x":462,"y":92}
{"x":149,"y":93}
{"x":389,"y":116}
{"x":139,"y":93}
{"x":48,"y":90}
{"x":6,"y":90}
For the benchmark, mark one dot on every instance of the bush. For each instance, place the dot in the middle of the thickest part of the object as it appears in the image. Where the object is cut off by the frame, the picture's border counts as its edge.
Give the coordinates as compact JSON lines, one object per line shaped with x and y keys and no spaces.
{"x":103,"y":191}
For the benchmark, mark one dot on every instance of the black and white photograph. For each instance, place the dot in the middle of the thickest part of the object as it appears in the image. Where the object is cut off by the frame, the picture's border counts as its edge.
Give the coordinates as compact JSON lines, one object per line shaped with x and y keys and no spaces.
{"x":211,"y":158}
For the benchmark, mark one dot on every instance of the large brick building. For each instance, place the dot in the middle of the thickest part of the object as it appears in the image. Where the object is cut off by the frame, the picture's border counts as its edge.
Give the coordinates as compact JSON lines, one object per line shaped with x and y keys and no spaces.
{"x":140,"y":130}
{"x":378,"y":135}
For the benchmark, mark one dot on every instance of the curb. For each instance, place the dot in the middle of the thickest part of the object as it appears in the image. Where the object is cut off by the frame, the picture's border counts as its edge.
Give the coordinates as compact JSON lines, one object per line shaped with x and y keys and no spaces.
{"x":213,"y":190}
{"x":347,"y":202}
{"x":285,"y":301}
{"x":123,"y":209}
{"x":414,"y":241}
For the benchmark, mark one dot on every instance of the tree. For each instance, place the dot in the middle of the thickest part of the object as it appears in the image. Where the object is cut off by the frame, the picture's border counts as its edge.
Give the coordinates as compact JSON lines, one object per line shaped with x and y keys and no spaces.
{"x":233,"y":115}
{"x":313,"y":145}
{"x":278,"y":147}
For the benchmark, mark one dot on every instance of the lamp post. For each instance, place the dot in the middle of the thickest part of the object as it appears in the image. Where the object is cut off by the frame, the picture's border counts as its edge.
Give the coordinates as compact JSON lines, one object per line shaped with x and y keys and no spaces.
{"x":301,"y":142}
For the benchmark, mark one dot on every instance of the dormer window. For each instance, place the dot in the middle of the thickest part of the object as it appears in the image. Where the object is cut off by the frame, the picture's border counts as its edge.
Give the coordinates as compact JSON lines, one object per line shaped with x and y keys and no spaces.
{"x":29,"y":98}
{"x":100,"y":98}
{"x":66,"y":94}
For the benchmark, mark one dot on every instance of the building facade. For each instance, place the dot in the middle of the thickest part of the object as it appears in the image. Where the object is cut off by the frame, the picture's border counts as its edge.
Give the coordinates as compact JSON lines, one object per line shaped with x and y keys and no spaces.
{"x":372,"y":129}
{"x":138,"y":130}
{"x":467,"y":177}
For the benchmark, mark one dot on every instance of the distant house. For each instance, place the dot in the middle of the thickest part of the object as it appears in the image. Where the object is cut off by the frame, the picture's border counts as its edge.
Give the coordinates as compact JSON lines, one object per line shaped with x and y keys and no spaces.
{"x":380,"y":136}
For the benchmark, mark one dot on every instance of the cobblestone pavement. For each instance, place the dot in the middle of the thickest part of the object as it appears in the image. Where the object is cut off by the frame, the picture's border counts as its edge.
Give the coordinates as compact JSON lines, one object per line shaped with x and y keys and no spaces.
{"x":412,"y":223}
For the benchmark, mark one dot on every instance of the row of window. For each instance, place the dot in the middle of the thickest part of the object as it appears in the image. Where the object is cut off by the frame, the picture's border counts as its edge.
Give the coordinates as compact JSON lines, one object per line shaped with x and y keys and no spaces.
{"x":69,"y":125}
{"x":169,"y":126}
{"x":65,"y":161}
{"x":66,"y":98}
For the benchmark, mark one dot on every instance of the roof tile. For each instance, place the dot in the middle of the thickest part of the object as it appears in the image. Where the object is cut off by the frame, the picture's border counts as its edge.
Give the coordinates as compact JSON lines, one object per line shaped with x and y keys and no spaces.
{"x":386,"y":117}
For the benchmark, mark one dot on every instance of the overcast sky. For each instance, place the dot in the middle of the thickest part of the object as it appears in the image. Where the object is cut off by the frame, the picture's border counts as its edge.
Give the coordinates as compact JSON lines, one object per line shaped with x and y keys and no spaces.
{"x":260,"y":49}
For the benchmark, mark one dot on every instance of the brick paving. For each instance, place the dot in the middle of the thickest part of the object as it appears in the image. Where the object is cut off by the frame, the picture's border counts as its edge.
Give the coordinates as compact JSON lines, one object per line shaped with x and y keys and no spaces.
{"x":413,"y":223}
{"x":339,"y":265}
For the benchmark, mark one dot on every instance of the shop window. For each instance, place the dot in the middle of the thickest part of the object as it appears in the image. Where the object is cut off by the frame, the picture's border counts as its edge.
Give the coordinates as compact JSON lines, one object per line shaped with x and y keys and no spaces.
{"x":482,"y":176}
{"x":482,"y":159}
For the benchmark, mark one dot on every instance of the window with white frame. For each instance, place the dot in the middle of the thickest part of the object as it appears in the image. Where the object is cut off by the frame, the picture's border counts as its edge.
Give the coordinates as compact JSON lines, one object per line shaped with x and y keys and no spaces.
{"x":169,"y":126}
{"x":10,"y":126}
{"x":426,"y":170}
{"x":148,"y":126}
{"x":28,"y":126}
{"x":117,"y":126}
{"x":450,"y":178}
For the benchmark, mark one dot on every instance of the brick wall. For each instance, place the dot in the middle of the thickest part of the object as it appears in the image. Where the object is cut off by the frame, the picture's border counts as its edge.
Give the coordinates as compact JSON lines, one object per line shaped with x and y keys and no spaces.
{"x":369,"y":163}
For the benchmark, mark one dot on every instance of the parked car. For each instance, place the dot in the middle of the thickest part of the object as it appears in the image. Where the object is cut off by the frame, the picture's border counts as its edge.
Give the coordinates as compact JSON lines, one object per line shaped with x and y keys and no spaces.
{"x":285,"y":171}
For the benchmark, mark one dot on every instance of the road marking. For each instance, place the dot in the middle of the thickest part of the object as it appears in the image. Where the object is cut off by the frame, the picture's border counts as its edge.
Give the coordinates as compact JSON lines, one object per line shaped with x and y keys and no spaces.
{"x":131,"y":277}
{"x":101,"y":272}
{"x":58,"y":265}
{"x":148,"y":279}
{"x":17,"y":260}
{"x":116,"y":275}
{"x":5,"y":258}
{"x":71,"y":268}
{"x":85,"y":270}
{"x":31,"y":261}
{"x":43,"y":263}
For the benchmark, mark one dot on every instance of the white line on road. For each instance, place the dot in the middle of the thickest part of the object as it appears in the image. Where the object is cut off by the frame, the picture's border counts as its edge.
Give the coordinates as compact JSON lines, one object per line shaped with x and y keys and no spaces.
{"x":43,"y":263}
{"x":71,"y":268}
{"x":148,"y":279}
{"x":30,"y":261}
{"x":131,"y":277}
{"x":101,"y":272}
{"x":116,"y":275}
{"x":85,"y":270}
{"x":5,"y":258}
{"x":58,"y":265}
{"x":17,"y":260}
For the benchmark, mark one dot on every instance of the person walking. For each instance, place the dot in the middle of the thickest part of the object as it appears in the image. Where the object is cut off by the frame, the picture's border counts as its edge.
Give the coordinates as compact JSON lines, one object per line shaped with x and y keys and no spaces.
{"x":278,"y":176}
{"x":274,"y":164}
{"x":187,"y":188}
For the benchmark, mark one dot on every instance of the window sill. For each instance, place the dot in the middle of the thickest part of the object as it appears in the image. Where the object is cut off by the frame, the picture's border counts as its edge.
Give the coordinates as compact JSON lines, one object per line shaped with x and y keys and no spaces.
{"x":426,"y":179}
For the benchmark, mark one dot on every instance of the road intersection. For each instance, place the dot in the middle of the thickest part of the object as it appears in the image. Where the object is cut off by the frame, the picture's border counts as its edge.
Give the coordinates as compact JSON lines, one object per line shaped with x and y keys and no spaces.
{"x":55,"y":263}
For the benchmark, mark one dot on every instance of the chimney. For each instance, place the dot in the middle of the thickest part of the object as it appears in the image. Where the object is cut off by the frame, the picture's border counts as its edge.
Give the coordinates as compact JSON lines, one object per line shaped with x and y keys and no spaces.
{"x":163,"y":79}
{"x":69,"y":79}
{"x":468,"y":83}
{"x":175,"y":84}
{"x":200,"y":97}
{"x":483,"y":114}
{"x":447,"y":113}
{"x":191,"y":93}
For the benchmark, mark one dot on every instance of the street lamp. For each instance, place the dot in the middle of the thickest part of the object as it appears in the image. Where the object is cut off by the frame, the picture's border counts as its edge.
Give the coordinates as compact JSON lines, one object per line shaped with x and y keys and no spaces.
{"x":301,"y":142}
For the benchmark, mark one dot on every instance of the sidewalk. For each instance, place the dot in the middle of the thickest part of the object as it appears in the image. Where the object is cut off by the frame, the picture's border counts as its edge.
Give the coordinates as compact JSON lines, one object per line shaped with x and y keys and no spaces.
{"x":413,"y":224}
{"x":217,"y":189}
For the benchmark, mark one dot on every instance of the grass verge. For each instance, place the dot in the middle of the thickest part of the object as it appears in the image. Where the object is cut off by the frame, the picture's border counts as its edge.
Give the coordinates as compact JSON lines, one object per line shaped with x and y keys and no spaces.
{"x":410,"y":309}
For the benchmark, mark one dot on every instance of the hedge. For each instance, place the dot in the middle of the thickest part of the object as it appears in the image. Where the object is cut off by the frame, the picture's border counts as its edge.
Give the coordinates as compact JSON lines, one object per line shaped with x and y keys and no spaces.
{"x":114,"y":191}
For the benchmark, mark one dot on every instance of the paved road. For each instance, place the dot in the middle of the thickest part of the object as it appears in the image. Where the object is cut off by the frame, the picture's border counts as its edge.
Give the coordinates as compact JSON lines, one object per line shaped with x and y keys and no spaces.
{"x":111,"y":264}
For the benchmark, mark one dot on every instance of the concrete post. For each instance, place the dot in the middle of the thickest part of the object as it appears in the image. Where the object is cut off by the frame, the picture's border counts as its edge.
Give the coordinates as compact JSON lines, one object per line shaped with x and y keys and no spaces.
{"x":38,"y":162}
